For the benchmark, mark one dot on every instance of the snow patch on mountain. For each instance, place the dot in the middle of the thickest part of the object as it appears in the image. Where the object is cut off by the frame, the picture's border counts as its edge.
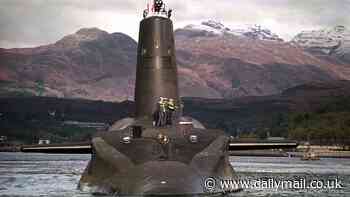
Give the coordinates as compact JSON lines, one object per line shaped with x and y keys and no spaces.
{"x":249,"y":31}
{"x":328,"y":41}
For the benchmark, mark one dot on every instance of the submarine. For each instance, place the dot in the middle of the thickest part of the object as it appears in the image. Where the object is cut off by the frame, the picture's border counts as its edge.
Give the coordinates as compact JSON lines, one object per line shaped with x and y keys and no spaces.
{"x":159,"y":151}
{"x":139,"y":156}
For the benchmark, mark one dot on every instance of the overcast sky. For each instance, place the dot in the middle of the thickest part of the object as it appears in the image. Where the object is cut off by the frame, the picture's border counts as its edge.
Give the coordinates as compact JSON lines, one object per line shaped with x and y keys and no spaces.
{"x":26,"y":23}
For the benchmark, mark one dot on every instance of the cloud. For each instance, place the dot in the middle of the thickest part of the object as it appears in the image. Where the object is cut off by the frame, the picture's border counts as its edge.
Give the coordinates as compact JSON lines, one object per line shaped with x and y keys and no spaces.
{"x":36,"y":22}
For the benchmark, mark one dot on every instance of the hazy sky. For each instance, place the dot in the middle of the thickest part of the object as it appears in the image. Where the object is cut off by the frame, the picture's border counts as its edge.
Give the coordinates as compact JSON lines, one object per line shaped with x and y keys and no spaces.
{"x":25,"y":23}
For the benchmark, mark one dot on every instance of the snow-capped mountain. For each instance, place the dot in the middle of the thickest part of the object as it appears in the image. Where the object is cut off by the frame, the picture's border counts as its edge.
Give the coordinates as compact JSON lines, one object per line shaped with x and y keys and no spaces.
{"x":251,"y":31}
{"x":332,"y":41}
{"x":213,"y":62}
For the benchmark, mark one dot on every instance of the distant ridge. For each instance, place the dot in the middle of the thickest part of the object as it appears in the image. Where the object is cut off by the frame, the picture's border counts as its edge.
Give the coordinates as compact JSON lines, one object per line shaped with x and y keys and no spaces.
{"x":334,"y":42}
{"x":211,"y":27}
{"x":214,"y":62}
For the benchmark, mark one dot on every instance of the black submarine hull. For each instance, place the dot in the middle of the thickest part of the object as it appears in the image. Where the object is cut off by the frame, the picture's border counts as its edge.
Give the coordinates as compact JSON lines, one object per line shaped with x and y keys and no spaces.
{"x":144,"y":166}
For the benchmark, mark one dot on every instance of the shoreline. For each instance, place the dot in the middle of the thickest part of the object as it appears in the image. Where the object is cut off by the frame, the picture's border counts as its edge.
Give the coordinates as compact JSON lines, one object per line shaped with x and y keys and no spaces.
{"x":10,"y":149}
{"x":248,"y":153}
{"x":270,"y":153}
{"x":335,"y":154}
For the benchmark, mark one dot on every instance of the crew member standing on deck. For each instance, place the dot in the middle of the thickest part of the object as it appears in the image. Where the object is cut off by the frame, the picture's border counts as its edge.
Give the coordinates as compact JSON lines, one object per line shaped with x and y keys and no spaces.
{"x":171,"y":108}
{"x":158,"y":5}
{"x":160,"y":116}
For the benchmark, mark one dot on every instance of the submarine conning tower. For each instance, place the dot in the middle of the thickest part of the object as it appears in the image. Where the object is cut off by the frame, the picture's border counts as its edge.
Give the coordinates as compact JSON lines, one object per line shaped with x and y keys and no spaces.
{"x":156,"y":74}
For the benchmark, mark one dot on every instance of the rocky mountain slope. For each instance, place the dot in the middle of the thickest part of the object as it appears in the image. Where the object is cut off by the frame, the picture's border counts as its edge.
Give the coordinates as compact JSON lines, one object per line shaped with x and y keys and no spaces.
{"x":91,"y":64}
{"x":214,"y":62}
{"x":334,"y":42}
{"x":212,"y":28}
{"x":225,"y":64}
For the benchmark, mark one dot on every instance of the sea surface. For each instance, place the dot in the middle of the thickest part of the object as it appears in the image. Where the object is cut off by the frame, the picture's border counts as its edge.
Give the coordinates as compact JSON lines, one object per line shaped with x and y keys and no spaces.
{"x":27,"y":175}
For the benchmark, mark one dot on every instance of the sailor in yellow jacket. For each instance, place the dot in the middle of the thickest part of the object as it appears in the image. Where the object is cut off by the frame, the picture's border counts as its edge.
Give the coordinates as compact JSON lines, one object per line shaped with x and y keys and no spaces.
{"x":171,"y":108}
{"x":160,"y":114}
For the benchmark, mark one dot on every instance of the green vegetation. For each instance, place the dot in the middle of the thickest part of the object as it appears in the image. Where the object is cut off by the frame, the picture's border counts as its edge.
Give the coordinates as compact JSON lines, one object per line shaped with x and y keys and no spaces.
{"x":40,"y":87}
{"x":28,"y":119}
{"x":236,"y":83}
{"x":20,"y":93}
{"x":330,"y":124}
{"x":326,"y":124}
{"x":321,"y":128}
{"x":11,"y":89}
{"x":30,"y":133}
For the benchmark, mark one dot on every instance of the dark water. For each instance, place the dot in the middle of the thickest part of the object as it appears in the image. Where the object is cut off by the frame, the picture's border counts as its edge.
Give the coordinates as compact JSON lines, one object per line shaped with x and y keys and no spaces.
{"x":58,"y":175}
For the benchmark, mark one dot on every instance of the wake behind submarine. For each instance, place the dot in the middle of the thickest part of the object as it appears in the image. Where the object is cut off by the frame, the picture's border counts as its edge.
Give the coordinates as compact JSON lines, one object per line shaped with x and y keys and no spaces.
{"x":159,"y":152}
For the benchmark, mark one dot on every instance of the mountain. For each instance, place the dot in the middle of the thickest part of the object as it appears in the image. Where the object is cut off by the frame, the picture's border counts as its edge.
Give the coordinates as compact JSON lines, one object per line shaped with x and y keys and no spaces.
{"x":214,"y":62}
{"x":225,"y":64}
{"x":334,"y":42}
{"x":91,"y":64}
{"x":212,"y":28}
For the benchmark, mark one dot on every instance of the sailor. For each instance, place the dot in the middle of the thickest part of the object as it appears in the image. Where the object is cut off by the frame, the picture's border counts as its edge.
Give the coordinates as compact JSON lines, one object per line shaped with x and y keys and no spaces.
{"x":145,"y":13}
{"x":156,"y":116}
{"x":160,"y":116}
{"x":158,"y":4}
{"x":169,"y":13}
{"x":171,"y":108}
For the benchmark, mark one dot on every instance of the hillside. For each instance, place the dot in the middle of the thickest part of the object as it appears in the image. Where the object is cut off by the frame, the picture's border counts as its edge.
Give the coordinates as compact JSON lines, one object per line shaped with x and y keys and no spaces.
{"x":332,"y":42}
{"x":214,"y":62}
{"x":90,"y":64}
{"x":229,"y":65}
